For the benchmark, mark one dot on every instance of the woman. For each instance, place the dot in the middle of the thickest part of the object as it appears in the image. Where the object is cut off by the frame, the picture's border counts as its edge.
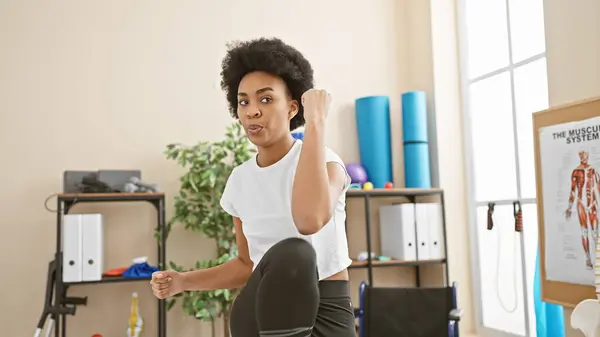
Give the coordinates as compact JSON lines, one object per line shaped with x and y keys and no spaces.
{"x":287,"y":204}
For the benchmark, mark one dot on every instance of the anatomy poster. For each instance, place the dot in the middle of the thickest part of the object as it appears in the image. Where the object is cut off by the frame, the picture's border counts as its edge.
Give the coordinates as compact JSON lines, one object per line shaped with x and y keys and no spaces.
{"x":570,"y":170}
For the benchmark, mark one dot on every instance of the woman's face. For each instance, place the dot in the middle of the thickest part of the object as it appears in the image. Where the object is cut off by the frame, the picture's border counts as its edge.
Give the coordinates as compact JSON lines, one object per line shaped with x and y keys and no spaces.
{"x":265,"y":108}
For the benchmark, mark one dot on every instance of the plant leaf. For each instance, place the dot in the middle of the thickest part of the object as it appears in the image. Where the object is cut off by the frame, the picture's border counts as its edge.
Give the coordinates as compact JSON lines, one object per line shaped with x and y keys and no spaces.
{"x":196,"y":207}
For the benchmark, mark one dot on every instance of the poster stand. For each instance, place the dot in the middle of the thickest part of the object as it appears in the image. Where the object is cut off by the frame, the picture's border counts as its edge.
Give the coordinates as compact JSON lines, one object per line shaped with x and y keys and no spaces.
{"x":562,"y":135}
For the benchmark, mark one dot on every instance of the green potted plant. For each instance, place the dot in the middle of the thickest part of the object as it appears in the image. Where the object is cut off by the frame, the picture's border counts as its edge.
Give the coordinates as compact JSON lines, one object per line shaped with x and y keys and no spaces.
{"x":207,"y":167}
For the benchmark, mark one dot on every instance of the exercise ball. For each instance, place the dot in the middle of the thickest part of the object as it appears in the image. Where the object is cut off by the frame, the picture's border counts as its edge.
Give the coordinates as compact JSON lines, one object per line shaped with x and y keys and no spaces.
{"x":357,"y":173}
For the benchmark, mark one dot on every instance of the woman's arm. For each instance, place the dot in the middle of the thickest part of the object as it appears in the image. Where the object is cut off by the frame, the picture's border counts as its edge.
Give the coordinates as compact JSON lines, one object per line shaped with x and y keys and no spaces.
{"x":231,"y":274}
{"x":317,"y":184}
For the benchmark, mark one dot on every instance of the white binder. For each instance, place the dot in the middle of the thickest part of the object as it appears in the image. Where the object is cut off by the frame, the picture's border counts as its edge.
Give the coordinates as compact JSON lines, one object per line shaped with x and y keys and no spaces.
{"x":397,"y":231}
{"x":83,"y":247}
{"x":92,"y":239}
{"x":72,"y":248}
{"x":422,"y":224}
{"x":436,"y":231}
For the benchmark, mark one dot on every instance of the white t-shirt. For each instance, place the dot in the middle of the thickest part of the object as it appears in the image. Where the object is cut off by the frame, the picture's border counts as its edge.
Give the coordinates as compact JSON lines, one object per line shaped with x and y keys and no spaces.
{"x":262,"y":198}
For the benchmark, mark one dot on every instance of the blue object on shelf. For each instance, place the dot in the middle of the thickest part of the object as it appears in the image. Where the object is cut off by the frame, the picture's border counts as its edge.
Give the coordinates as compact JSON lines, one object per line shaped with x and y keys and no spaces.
{"x":417,"y":172}
{"x":298,"y":135}
{"x":416,"y":165}
{"x":140,"y":270}
{"x":414,"y":116}
{"x":374,"y":138}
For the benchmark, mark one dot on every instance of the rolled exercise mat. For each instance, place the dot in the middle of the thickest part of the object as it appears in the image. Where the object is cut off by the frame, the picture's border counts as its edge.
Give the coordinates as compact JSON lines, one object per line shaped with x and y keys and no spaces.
{"x":416,"y":165}
{"x":416,"y":143}
{"x":374,"y":138}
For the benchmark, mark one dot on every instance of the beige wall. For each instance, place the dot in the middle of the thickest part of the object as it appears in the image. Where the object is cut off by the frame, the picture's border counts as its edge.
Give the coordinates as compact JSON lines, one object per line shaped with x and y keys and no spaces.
{"x":573,"y":52}
{"x":106,"y":85}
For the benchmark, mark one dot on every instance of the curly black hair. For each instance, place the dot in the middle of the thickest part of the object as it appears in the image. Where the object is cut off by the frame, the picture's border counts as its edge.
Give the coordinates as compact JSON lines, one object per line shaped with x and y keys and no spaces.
{"x":272,"y":56}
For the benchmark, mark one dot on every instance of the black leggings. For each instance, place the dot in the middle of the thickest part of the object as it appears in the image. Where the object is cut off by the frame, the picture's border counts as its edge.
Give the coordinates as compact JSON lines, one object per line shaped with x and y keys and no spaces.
{"x":283,"y":297}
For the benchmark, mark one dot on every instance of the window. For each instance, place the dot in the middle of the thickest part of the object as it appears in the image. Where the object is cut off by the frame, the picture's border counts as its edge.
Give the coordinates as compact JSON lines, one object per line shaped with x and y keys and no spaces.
{"x":503,"y":53}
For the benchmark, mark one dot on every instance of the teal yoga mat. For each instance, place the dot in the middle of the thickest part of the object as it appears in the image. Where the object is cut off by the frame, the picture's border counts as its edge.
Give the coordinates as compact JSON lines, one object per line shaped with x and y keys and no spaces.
{"x":374,"y":139}
{"x":416,"y":143}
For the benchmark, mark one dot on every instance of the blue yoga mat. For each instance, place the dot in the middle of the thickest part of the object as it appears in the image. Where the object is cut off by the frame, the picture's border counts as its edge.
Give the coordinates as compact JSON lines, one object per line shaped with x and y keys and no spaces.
{"x":416,"y":165}
{"x":414,"y":116}
{"x":416,"y":147}
{"x":374,"y":139}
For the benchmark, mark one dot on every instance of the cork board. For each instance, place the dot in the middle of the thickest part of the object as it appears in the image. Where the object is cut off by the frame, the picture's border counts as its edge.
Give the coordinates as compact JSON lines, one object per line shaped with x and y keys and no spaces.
{"x":567,"y":293}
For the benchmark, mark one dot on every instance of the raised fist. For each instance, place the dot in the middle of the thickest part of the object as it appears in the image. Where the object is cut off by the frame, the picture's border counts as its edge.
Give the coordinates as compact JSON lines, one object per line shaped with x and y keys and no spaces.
{"x":316,"y":104}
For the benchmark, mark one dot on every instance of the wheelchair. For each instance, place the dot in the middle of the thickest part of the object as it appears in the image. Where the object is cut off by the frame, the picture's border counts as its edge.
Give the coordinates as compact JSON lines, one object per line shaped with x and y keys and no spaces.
{"x":408,"y":312}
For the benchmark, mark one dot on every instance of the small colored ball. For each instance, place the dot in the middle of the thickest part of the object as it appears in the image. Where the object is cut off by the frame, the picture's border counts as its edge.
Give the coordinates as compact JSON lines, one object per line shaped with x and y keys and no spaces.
{"x":388,"y":185}
{"x":368,"y":185}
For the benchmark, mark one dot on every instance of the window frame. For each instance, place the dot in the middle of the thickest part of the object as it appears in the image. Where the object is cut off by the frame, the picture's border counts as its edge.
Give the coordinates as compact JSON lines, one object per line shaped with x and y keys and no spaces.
{"x":472,"y":203}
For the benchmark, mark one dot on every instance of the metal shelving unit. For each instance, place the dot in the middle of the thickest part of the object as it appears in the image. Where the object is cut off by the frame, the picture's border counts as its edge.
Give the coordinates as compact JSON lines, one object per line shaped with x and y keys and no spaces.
{"x":412,"y":194}
{"x":57,"y":304}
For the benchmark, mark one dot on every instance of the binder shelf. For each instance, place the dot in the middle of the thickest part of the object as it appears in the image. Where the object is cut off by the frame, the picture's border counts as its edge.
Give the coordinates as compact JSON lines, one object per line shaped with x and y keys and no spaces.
{"x":57,"y":304}
{"x":433,"y":256}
